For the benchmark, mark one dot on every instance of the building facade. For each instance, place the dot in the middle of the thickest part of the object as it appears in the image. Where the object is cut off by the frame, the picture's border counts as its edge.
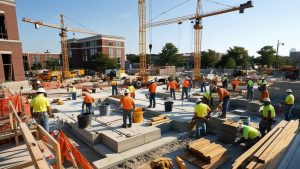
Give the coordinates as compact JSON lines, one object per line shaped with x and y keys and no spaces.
{"x":295,"y":57}
{"x":81,"y":50}
{"x":189,"y":60}
{"x":11,"y":62}
{"x":38,"y":61}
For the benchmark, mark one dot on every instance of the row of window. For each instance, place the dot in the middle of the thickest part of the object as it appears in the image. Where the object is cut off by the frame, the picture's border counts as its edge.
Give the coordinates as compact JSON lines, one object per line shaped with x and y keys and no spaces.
{"x":117,"y":43}
{"x":94,"y":51}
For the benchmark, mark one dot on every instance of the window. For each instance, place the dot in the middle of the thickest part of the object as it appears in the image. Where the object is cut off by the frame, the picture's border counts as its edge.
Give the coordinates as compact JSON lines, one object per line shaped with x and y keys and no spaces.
{"x":70,"y":54}
{"x":118,"y":53}
{"x":84,"y":57}
{"x":93,"y":51}
{"x":110,"y":43}
{"x":119,"y":44}
{"x":3,"y":32}
{"x":111,"y":52}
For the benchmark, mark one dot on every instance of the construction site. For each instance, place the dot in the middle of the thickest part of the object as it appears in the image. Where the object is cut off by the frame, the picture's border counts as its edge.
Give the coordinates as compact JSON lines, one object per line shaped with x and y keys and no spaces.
{"x":154,"y":116}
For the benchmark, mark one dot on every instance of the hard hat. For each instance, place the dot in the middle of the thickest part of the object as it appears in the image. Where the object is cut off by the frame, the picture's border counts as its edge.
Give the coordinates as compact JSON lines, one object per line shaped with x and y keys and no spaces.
{"x":198,"y":100}
{"x":126,"y":91}
{"x":225,"y":74}
{"x":289,"y":91}
{"x":151,"y":81}
{"x":267,"y":100}
{"x":248,"y":77}
{"x":187,"y":78}
{"x":38,"y":82}
{"x":262,"y":78}
{"x":41,"y":90}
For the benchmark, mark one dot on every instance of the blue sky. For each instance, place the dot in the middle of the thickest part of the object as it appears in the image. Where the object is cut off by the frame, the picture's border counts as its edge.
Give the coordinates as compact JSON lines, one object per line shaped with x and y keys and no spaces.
{"x":267,"y":22}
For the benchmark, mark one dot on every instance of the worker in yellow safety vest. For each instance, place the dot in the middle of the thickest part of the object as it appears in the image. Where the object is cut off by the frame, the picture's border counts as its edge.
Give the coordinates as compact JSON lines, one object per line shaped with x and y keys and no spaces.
{"x":201,"y":111}
{"x":268,"y":115}
{"x":262,"y":83}
{"x":73,"y":92}
{"x":131,"y":90}
{"x":225,"y":81}
{"x":250,"y":91}
{"x":289,"y":104}
{"x":114,"y":87}
{"x":249,"y":135}
{"x":206,"y":98}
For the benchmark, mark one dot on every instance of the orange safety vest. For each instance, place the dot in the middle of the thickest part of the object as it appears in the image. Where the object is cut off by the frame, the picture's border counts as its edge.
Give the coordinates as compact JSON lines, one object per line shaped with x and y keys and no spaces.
{"x":223,"y":93}
{"x":186,"y":83}
{"x":88,"y":99}
{"x":172,"y":85}
{"x":113,"y":83}
{"x":127,"y":102}
{"x":152,"y":88}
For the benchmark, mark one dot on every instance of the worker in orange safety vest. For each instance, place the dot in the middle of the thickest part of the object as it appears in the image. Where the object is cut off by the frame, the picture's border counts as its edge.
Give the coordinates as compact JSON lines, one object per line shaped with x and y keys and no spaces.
{"x":185,"y":88}
{"x":152,"y":94}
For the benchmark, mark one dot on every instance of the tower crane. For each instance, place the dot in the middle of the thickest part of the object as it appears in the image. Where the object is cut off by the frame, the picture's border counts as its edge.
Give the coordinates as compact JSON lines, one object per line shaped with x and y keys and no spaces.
{"x":197,"y":29}
{"x":63,"y":35}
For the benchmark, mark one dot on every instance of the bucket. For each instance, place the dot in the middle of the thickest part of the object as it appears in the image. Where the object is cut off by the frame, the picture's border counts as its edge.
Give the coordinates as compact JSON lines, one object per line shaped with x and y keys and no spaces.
{"x":245,"y":120}
{"x":74,"y":96}
{"x":168,"y":106}
{"x":84,"y":120}
{"x":93,"y":90}
{"x":104,"y":109}
{"x":138,"y":115}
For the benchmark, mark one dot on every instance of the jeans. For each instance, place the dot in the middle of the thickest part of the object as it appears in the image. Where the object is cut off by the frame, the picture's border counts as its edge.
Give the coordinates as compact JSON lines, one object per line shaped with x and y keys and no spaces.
{"x":203,"y":86}
{"x":225,"y":106}
{"x":185,"y":90}
{"x":42,"y":119}
{"x":152,"y":99}
{"x":114,"y":90}
{"x":200,"y":128}
{"x":127,"y":113}
{"x":89,"y":108}
{"x":264,"y":125}
{"x":288,"y":112}
{"x":172,"y":93}
{"x":250,"y":93}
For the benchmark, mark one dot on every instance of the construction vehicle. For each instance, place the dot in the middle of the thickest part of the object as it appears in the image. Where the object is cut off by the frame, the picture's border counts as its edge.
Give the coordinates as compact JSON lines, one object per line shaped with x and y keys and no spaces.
{"x":242,"y":71}
{"x":291,"y":72}
{"x":50,"y":76}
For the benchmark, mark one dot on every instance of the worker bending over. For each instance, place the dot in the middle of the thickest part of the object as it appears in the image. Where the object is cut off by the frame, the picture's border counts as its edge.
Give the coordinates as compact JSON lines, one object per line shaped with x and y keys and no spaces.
{"x":128,"y":105}
{"x":268,"y":115}
{"x":225,"y":81}
{"x":200,"y":113}
{"x":289,"y":104}
{"x":152,"y":94}
{"x":40,"y":108}
{"x":206,"y":98}
{"x":172,"y":85}
{"x":131,"y":90}
{"x":185,"y":88}
{"x":88,"y":101}
{"x":249,"y":135}
{"x":114,"y":87}
{"x":224,"y":98}
{"x":250,"y":91}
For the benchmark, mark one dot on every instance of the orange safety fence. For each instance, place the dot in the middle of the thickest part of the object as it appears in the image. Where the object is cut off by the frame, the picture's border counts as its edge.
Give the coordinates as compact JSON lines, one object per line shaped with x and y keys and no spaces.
{"x":52,"y":85}
{"x":68,"y":151}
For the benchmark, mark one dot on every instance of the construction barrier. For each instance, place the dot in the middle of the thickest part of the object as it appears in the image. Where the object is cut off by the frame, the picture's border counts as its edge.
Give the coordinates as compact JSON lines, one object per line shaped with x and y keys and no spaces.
{"x":52,"y":85}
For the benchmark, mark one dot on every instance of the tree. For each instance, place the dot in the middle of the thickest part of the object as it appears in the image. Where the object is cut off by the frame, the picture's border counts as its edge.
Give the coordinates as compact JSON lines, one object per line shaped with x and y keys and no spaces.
{"x":230,"y":63}
{"x":101,"y":62}
{"x":53,"y":64}
{"x":209,"y":59}
{"x":267,"y":55}
{"x":239,"y":55}
{"x":133,"y":58}
{"x":169,"y":56}
{"x":282,"y":60}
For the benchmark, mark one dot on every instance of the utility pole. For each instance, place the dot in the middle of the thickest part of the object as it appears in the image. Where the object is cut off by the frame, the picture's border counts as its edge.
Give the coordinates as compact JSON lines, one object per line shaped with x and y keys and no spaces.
{"x":276,"y":59}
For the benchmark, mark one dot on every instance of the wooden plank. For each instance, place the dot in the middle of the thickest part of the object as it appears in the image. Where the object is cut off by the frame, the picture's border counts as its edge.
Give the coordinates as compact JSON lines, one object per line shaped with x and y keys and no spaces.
{"x":41,"y":145}
{"x":251,"y":165}
{"x":20,"y":165}
{"x":180,"y":163}
{"x":199,"y":141}
{"x":216,"y":153}
{"x":158,"y":118}
{"x":158,"y":122}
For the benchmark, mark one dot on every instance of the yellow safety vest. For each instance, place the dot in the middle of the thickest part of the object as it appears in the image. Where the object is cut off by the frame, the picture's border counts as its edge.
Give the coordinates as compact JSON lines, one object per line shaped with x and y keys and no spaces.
{"x":290,"y":99}
{"x":201,"y":110}
{"x":266,"y":110}
{"x":250,"y":132}
{"x":113,"y":83}
{"x":250,"y":83}
{"x":131,"y":89}
{"x":207,"y":95}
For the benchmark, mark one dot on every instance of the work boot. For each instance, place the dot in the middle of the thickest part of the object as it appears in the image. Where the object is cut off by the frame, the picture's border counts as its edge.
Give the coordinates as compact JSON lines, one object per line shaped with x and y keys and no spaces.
{"x":153,"y":106}
{"x":149,"y":106}
{"x":130,"y":125}
{"x":124,"y":126}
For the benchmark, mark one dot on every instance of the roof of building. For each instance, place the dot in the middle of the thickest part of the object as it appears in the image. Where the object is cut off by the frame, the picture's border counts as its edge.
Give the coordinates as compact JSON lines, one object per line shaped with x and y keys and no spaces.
{"x":96,"y":37}
{"x":10,"y":1}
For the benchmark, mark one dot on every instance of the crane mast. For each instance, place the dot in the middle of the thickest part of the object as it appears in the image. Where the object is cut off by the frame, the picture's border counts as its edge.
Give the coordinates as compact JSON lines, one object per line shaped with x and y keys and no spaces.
{"x":197,"y":43}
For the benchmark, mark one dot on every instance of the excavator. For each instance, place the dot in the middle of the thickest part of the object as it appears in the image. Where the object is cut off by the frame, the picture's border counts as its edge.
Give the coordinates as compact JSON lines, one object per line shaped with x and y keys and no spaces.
{"x":241,"y":71}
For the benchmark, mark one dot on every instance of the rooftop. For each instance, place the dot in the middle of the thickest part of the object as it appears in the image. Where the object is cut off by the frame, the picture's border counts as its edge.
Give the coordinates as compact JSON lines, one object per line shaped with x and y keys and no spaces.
{"x":96,"y":37}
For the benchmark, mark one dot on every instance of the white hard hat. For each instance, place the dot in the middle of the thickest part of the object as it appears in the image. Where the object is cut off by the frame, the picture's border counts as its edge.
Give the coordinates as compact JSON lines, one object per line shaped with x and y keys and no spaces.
{"x":267,"y":100}
{"x":41,"y":90}
{"x":289,"y":91}
{"x":38,"y":82}
{"x":262,"y":78}
{"x":225,"y":74}
{"x":126,"y":91}
{"x":187,"y":78}
{"x":198,"y":100}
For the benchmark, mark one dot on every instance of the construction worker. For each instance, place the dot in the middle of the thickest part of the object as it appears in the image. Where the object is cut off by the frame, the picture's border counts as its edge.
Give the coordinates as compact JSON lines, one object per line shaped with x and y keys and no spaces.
{"x":201,"y":111}
{"x":131,"y":90}
{"x":264,"y":94}
{"x":224,"y":98}
{"x":152,"y":94}
{"x":190,"y":85}
{"x":185,"y":88}
{"x":88,"y":101}
{"x":128,"y":105}
{"x":172,"y":85}
{"x":203,"y":83}
{"x":235,"y":84}
{"x":114,"y":87}
{"x":206,"y":98}
{"x":225,"y":81}
{"x":262,"y":83}
{"x":73,"y":92}
{"x":250,"y":91}
{"x":268,"y":115}
{"x":40,"y":108}
{"x":249,"y":135}
{"x":289,"y":104}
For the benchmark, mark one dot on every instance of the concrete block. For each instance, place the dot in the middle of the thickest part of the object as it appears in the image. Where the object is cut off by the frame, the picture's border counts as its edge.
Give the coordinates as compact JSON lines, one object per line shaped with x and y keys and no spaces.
{"x":254,"y":106}
{"x":152,"y":135}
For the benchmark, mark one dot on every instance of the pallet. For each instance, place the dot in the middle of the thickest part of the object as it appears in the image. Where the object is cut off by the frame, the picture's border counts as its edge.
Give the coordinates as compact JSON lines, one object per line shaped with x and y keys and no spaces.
{"x":267,"y":153}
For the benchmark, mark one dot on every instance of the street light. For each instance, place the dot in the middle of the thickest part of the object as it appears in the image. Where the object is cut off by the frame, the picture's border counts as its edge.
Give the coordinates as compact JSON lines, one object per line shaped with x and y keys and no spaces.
{"x":278,"y":43}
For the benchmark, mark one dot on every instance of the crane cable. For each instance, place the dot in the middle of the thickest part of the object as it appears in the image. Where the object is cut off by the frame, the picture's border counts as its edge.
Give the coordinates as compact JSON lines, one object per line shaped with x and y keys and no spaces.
{"x":179,"y":36}
{"x":219,"y":3}
{"x":73,"y":20}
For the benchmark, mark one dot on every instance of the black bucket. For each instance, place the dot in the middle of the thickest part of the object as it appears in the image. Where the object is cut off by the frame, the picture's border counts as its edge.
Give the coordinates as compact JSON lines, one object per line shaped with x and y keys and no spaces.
{"x":168,"y":106}
{"x":84,"y":120}
{"x":93,"y":90}
{"x":104,"y":109}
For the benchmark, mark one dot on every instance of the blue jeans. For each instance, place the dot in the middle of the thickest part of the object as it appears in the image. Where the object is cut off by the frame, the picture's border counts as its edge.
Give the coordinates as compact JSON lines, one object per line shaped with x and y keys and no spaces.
{"x":250,"y":93}
{"x":89,"y":108}
{"x":185,"y":90}
{"x":288,"y":112}
{"x":42,"y":119}
{"x":127,"y":113}
{"x":200,"y":128}
{"x":114,"y":90}
{"x":152,"y":99}
{"x":225,"y":106}
{"x":203,"y":86}
{"x":172,"y":93}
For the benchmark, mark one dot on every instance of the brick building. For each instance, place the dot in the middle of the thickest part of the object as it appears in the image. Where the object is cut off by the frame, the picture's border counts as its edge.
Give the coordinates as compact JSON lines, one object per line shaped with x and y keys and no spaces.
{"x":11,"y":63}
{"x":81,"y":50}
{"x":33,"y":59}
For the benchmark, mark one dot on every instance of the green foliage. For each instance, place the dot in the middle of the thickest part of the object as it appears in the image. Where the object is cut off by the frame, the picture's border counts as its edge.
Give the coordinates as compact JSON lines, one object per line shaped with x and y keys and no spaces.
{"x":267,"y":55}
{"x":101,"y":62}
{"x":36,"y":66}
{"x":208,"y":59}
{"x":53,"y":64}
{"x":281,"y":61}
{"x":133,"y":58}
{"x":239,"y":55}
{"x":169,"y":56}
{"x":230,"y":63}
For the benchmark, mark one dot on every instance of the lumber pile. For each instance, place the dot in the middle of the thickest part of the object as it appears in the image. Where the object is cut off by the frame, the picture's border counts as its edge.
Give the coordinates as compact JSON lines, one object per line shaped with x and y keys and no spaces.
{"x":158,"y":120}
{"x":268,"y":151}
{"x":205,"y":154}
{"x":228,"y":131}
